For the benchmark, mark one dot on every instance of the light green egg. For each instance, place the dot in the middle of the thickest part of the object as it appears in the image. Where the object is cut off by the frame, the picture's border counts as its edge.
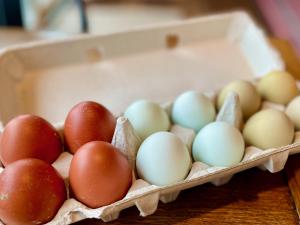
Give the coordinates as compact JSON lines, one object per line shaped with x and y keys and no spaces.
{"x":163,"y":159}
{"x":219,"y":144}
{"x":147,"y":118}
{"x":193,"y":110}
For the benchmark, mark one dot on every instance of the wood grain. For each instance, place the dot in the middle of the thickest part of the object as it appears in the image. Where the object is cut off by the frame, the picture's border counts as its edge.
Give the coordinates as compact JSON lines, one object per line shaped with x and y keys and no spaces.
{"x":293,"y":175}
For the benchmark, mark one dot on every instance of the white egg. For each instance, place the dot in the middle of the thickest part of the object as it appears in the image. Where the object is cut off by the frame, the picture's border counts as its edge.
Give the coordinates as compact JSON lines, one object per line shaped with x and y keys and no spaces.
{"x":293,"y":111}
{"x":219,"y":144}
{"x":163,"y":159}
{"x":269,"y":128}
{"x":193,"y":110}
{"x":147,"y":118}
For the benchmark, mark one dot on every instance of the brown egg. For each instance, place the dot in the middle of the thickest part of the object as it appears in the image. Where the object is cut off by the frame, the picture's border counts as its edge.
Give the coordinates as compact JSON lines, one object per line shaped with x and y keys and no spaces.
{"x":88,"y":121}
{"x":31,"y":192}
{"x":29,"y":136}
{"x":99,"y":174}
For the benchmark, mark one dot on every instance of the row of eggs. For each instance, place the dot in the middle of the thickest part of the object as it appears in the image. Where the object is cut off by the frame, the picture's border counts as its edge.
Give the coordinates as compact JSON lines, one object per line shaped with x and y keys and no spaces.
{"x":163,"y":159}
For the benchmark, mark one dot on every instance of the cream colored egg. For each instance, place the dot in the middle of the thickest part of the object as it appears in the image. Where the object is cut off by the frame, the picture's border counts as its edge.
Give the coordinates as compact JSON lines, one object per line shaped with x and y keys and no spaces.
{"x":269,"y":128}
{"x":249,"y":98}
{"x":279,"y":87}
{"x":293,"y":111}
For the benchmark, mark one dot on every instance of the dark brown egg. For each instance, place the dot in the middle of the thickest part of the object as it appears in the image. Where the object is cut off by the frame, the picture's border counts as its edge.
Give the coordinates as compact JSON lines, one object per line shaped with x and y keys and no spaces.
{"x":31,"y":192}
{"x":29,"y":136}
{"x":88,"y":121}
{"x":99,"y":174}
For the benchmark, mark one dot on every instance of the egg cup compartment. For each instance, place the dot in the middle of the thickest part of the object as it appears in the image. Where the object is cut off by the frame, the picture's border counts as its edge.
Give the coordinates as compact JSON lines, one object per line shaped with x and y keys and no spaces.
{"x":48,"y":78}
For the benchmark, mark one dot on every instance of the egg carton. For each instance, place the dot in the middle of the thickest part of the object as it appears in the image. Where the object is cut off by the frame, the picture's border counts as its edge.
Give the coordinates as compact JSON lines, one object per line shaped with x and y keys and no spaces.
{"x":146,"y":196}
{"x":36,"y":78}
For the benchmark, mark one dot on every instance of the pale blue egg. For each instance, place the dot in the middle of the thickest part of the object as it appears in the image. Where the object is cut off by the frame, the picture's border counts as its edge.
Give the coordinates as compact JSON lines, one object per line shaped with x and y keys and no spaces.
{"x":193,"y":110}
{"x":219,"y":144}
{"x":163,"y":159}
{"x":147,"y":118}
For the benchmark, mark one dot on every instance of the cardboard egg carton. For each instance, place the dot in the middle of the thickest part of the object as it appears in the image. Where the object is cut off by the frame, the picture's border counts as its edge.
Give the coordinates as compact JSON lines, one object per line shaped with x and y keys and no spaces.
{"x":48,"y":78}
{"x":146,"y":196}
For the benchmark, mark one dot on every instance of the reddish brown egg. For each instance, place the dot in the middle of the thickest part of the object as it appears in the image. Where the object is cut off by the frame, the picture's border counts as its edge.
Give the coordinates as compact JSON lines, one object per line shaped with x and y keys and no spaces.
{"x":29,"y":136}
{"x":88,"y":121}
{"x":99,"y":174}
{"x":31,"y":192}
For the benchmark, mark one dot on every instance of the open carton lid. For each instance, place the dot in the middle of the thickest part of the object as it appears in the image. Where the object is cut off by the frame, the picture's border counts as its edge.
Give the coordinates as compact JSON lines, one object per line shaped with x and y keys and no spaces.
{"x":156,"y":63}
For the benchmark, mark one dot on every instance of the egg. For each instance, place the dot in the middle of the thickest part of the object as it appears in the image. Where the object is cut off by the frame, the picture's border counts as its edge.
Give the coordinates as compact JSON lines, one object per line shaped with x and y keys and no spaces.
{"x":269,"y":128}
{"x":219,"y":144}
{"x":29,"y":136}
{"x":31,"y":192}
{"x":147,"y":118}
{"x":248,"y":95}
{"x":278,"y":87}
{"x":99,"y":174}
{"x":293,"y":111}
{"x":86,"y":122}
{"x":163,"y":159}
{"x":193,"y":110}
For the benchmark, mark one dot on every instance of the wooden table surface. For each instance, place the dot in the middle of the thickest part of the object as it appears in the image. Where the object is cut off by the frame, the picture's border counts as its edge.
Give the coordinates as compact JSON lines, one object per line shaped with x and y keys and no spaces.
{"x":251,"y":197}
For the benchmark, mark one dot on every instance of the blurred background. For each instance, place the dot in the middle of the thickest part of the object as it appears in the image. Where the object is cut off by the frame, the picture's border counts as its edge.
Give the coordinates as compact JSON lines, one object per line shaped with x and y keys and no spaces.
{"x":26,"y":20}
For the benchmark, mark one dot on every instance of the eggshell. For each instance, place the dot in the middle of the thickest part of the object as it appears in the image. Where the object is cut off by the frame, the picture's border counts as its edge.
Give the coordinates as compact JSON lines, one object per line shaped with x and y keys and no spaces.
{"x":99,"y":174}
{"x":88,"y":121}
{"x":248,"y":95}
{"x":293,"y":111}
{"x":31,"y":192}
{"x":163,"y":159}
{"x":219,"y":144}
{"x":29,"y":136}
{"x":269,"y":128}
{"x":193,"y":110}
{"x":278,"y":87}
{"x":147,"y":118}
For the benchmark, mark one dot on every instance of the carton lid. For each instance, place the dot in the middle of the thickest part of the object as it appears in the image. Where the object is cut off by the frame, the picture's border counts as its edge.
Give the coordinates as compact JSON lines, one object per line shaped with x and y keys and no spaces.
{"x":156,"y":63}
